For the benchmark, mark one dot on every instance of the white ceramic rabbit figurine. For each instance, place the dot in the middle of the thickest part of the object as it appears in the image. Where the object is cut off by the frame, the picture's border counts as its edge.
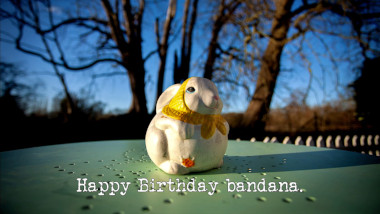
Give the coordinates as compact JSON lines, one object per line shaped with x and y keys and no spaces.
{"x":188,"y":134}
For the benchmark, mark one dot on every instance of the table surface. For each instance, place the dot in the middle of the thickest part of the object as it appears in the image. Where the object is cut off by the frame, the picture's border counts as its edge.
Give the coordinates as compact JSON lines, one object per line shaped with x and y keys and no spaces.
{"x":44,"y":180}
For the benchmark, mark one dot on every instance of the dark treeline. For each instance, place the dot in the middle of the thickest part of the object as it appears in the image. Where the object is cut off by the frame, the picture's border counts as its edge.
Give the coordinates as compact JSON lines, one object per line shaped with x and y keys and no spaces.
{"x":22,"y":131}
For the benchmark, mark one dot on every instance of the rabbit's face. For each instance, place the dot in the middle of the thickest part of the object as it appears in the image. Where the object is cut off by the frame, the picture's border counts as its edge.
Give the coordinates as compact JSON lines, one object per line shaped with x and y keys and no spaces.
{"x":201,"y":95}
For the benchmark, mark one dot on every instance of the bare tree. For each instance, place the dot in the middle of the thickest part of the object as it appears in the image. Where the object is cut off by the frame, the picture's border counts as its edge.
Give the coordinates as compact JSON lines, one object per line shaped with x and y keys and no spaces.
{"x":29,"y":16}
{"x":119,"y":39}
{"x":225,"y":12}
{"x":129,"y":48}
{"x":119,"y":34}
{"x":270,"y":67}
{"x":284,"y":17}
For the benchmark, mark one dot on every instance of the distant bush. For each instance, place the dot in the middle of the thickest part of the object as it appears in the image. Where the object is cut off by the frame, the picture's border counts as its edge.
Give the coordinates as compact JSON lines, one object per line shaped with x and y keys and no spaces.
{"x":85,"y":108}
{"x":298,"y":118}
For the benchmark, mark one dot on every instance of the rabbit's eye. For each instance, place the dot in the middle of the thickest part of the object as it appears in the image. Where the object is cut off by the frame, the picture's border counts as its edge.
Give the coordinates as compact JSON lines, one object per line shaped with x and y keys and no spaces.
{"x":190,"y":90}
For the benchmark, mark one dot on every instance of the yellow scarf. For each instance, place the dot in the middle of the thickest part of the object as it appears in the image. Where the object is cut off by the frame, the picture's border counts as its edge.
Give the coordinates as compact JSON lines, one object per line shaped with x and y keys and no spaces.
{"x":177,"y":109}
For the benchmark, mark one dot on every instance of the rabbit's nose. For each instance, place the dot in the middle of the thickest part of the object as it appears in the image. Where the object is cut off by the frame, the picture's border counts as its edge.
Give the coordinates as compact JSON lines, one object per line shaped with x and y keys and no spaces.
{"x":216,"y":97}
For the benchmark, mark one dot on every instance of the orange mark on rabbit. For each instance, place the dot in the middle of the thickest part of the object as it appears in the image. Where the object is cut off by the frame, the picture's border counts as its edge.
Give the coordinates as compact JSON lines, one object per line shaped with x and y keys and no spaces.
{"x":188,"y":162}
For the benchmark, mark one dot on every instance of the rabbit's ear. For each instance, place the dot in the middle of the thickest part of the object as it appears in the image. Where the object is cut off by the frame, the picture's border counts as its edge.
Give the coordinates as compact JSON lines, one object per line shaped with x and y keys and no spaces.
{"x":166,"y":96}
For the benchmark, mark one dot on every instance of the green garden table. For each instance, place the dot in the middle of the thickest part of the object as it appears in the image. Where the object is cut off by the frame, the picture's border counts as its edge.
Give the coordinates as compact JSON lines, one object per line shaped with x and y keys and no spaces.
{"x":255,"y":178}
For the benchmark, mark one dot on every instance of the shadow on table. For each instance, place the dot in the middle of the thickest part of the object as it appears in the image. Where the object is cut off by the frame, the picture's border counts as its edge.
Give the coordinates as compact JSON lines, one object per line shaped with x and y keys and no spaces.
{"x":294,"y":162}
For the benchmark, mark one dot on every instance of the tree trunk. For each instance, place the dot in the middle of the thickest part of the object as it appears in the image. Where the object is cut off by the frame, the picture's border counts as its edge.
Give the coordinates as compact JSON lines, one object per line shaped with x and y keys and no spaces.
{"x":211,"y":57}
{"x":136,"y":74}
{"x":71,"y":107}
{"x":130,"y":49}
{"x":163,"y":44}
{"x":161,"y":73}
{"x":182,"y":70}
{"x":258,"y":109}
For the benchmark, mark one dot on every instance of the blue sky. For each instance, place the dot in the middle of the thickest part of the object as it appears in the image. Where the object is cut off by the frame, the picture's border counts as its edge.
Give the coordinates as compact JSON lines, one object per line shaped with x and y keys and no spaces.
{"x":329,"y":80}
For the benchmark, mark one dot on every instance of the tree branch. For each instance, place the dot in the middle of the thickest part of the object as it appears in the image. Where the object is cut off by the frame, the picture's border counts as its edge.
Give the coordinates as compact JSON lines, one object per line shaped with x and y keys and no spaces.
{"x":220,"y":19}
{"x":191,"y":28}
{"x":114,"y":24}
{"x":109,"y":74}
{"x":169,"y":18}
{"x":163,"y":44}
{"x":150,"y":54}
{"x":79,"y":21}
{"x":234,"y":82}
{"x":51,"y":60}
{"x":140,"y":13}
{"x":156,"y":30}
{"x":94,"y":28}
{"x":303,"y":8}
{"x":128,"y":18}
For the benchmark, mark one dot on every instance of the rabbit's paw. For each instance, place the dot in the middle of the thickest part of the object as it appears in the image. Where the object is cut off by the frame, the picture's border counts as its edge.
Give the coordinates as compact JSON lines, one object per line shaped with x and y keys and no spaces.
{"x":171,"y":167}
